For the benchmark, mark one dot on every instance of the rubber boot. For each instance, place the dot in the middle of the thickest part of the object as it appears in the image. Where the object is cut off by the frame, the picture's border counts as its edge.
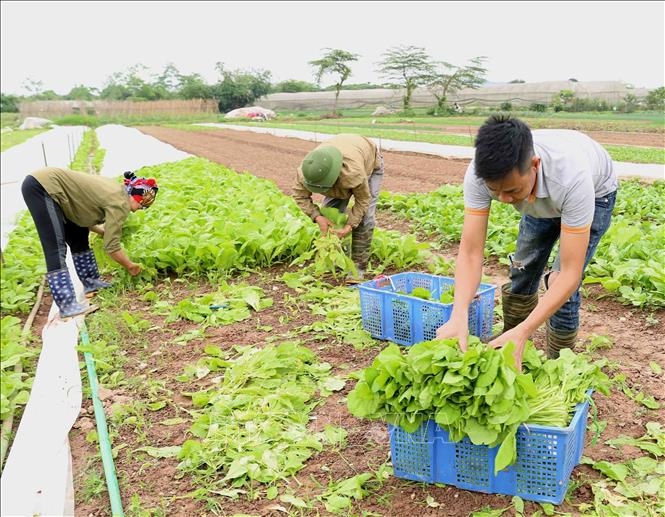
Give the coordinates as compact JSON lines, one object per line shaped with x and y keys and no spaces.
{"x":88,"y":272}
{"x":516,"y":307}
{"x":557,"y":340}
{"x":361,"y":243}
{"x":64,"y":294}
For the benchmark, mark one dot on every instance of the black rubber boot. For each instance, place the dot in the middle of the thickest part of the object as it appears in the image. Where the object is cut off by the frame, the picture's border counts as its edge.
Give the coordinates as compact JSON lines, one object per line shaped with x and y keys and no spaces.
{"x":88,"y":272}
{"x":64,"y":294}
{"x":516,"y":307}
{"x":557,"y":340}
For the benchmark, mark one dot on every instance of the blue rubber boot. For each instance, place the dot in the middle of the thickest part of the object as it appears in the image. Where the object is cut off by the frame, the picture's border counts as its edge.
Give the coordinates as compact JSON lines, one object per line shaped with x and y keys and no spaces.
{"x":88,"y":272}
{"x":64,"y":294}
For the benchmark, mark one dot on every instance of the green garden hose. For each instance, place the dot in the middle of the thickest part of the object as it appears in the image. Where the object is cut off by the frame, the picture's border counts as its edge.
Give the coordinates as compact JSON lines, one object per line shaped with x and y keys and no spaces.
{"x":102,"y":430}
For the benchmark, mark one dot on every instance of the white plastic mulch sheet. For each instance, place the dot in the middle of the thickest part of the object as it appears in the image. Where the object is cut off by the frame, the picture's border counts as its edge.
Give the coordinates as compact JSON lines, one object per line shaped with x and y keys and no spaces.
{"x":37,"y":478}
{"x":127,"y":149}
{"x":55,"y":148}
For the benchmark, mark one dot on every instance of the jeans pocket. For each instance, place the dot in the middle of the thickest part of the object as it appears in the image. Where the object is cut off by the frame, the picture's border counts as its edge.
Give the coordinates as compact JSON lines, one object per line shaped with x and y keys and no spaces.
{"x":602,"y":202}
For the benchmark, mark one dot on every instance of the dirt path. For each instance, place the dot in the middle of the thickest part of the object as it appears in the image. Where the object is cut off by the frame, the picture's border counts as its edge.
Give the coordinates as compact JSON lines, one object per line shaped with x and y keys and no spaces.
{"x":632,"y":138}
{"x":603,"y":137}
{"x":277,"y":158}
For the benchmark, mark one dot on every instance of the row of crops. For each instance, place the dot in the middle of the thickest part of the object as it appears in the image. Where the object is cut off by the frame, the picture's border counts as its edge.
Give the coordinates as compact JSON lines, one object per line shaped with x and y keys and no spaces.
{"x":628,"y":262}
{"x":249,"y":418}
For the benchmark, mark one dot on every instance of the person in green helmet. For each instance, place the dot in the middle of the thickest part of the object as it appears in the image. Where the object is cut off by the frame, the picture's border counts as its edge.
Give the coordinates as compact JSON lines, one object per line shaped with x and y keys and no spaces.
{"x":342,"y":167}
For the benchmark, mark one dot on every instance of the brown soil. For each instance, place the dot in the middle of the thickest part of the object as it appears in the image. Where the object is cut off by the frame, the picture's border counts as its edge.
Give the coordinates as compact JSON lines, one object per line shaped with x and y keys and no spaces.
{"x":637,"y":339}
{"x":603,"y":137}
{"x":628,"y":138}
{"x":276,"y":158}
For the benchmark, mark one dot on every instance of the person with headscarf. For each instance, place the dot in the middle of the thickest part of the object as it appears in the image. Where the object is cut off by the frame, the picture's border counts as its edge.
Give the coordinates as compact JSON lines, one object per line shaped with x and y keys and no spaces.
{"x":64,"y":205}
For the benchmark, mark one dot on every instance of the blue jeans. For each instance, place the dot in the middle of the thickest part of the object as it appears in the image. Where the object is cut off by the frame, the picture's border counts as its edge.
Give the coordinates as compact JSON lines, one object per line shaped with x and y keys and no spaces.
{"x":535,"y":241}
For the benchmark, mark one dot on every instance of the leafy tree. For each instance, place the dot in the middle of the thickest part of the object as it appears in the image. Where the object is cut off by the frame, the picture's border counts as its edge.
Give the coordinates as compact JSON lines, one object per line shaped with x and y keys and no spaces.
{"x":517,"y":81}
{"x":116,"y":87}
{"x":334,"y":62}
{"x":294,"y":86}
{"x":130,"y":85}
{"x":656,"y":99}
{"x":450,"y":78}
{"x":563,"y":100}
{"x":194,"y":87}
{"x":407,"y":67}
{"x":8,"y":103}
{"x":46,"y":95}
{"x":33,"y":86}
{"x":240,"y":88}
{"x":81,"y":93}
{"x":141,"y":89}
{"x":114,"y":92}
{"x":170,"y":79}
{"x":630,"y":103}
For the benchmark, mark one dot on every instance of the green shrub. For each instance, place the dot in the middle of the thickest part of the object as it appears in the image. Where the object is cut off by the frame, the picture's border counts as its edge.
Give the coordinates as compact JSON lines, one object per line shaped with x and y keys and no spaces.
{"x":78,"y":120}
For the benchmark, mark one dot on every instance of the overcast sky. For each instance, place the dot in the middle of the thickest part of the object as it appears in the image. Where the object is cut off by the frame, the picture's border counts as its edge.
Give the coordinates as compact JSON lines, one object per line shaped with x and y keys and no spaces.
{"x":64,"y":44}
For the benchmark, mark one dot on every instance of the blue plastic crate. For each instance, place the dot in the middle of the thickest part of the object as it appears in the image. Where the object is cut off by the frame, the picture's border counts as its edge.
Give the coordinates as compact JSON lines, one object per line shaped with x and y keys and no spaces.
{"x":389,"y":315}
{"x":546,"y":457}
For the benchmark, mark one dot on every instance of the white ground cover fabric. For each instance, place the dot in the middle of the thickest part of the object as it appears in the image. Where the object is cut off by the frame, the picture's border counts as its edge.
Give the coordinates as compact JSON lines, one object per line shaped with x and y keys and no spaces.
{"x":55,"y":148}
{"x":127,"y":149}
{"x":37,"y":478}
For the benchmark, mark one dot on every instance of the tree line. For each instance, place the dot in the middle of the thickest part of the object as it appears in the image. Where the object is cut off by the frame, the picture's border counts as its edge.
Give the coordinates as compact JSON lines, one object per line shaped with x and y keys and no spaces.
{"x":404,"y":67}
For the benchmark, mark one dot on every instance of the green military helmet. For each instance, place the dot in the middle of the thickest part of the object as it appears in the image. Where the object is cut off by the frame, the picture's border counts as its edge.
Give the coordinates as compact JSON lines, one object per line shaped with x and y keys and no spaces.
{"x":321,"y":168}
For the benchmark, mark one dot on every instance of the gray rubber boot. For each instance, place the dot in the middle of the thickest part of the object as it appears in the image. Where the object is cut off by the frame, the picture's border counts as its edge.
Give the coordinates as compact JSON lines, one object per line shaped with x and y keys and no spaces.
{"x":516,"y":307}
{"x":88,"y":272}
{"x":557,"y":341}
{"x":64,"y":294}
{"x":361,"y":243}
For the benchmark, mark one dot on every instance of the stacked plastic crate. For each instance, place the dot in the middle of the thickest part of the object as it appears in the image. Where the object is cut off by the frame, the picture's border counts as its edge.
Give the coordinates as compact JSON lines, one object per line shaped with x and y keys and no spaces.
{"x":546,"y":456}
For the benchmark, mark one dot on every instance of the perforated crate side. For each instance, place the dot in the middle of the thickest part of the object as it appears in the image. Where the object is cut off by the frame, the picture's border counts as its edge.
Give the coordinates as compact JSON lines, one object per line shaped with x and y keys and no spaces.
{"x":429,"y":317}
{"x":371,"y":310}
{"x":484,"y":312}
{"x":399,"y":318}
{"x":546,"y":457}
{"x":412,"y":454}
{"x":406,"y":320}
{"x":540,"y":472}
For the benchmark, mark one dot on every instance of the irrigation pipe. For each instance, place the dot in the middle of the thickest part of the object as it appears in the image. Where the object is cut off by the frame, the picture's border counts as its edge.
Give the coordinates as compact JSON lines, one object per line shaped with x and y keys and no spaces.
{"x":8,"y":422}
{"x":102,"y":430}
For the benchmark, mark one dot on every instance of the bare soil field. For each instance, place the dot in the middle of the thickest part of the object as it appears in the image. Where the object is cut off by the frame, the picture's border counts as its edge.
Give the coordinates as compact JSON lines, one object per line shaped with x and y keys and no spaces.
{"x":637,"y":338}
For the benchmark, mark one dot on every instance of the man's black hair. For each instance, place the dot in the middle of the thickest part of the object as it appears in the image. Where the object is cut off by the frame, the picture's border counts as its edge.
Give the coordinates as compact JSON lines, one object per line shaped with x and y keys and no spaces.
{"x":503,"y":143}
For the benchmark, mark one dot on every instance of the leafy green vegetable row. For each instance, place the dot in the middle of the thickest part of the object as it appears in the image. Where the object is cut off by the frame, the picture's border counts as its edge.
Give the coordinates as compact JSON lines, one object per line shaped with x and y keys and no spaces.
{"x":628,"y":262}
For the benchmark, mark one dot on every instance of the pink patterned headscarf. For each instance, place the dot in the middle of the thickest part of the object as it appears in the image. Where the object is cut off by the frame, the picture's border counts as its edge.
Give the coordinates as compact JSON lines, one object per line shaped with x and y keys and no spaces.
{"x":143,"y":190}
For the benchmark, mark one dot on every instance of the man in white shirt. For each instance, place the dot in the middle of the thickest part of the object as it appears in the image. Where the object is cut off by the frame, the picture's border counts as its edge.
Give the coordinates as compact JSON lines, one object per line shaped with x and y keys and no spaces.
{"x":564,"y":185}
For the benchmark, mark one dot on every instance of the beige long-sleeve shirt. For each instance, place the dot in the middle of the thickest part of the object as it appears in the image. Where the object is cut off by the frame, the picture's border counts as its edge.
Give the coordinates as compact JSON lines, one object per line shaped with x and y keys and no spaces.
{"x":359,"y":160}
